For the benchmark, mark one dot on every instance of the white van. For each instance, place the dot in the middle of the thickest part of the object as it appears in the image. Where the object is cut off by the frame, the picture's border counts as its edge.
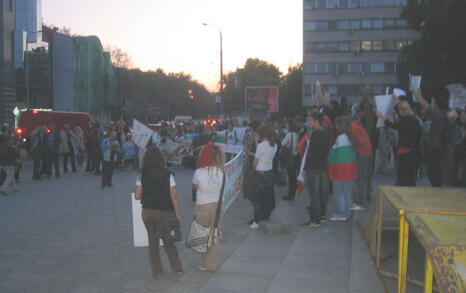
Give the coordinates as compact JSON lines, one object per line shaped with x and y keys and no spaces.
{"x":183,"y":119}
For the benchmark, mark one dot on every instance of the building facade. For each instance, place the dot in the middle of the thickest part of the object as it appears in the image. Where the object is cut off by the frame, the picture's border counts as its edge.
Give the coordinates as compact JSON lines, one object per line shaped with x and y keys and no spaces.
{"x":351,"y":43}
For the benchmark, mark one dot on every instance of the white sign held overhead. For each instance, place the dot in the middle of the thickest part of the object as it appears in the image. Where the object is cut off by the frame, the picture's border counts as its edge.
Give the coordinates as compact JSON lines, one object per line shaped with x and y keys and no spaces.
{"x":384,"y":104}
{"x":141,"y":134}
{"x":457,"y":95}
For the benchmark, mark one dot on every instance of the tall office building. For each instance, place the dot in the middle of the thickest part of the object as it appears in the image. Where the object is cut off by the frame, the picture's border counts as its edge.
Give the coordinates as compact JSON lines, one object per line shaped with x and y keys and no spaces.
{"x":28,"y":29}
{"x":351,"y":43}
{"x":7,"y":78}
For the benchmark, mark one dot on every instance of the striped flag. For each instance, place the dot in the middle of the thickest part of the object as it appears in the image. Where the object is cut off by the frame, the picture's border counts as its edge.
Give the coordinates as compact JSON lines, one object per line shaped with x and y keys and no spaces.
{"x":301,"y":171}
{"x":342,"y":160}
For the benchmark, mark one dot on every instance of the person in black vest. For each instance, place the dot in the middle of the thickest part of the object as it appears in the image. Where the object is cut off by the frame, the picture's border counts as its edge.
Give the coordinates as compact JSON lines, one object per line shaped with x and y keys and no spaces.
{"x":37,"y":139}
{"x":52,"y":143}
{"x":155,"y":187}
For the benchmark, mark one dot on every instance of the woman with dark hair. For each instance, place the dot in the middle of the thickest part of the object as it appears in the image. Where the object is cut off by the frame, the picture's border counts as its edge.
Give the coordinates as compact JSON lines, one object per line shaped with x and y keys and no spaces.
{"x":155,"y":188}
{"x":291,"y":142}
{"x":409,"y":137}
{"x":263,"y":165}
{"x":207,"y":182}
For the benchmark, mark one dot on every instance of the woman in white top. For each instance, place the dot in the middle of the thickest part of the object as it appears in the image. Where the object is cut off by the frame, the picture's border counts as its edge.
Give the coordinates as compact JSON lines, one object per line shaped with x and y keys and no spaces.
{"x":291,"y":141}
{"x":207,"y":182}
{"x":263,"y":164}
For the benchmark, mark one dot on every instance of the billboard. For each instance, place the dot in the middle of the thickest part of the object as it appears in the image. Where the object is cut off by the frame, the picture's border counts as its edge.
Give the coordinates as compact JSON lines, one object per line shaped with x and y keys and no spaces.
{"x":263,"y":98}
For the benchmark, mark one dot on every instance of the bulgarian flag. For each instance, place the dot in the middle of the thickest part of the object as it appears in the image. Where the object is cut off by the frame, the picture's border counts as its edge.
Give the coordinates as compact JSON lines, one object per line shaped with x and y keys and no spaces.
{"x":301,"y":169}
{"x":342,"y":160}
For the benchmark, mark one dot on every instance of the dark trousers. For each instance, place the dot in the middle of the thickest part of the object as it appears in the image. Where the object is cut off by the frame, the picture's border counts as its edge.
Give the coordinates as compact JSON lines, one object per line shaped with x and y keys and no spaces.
{"x":292,"y":172}
{"x":406,"y":172}
{"x":434,"y":167}
{"x":36,"y":160}
{"x":70,"y":155}
{"x":89,"y":167}
{"x":107,"y":173}
{"x":52,"y":161}
{"x":263,"y":195}
{"x":317,"y":183}
{"x":149,"y":217}
{"x":364,"y":162}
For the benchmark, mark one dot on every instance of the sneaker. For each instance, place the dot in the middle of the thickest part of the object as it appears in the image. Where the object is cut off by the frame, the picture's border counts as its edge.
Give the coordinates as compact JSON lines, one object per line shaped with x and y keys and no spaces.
{"x":179,"y":272}
{"x":323,"y":219}
{"x":356,"y":207}
{"x":254,"y":225}
{"x":309,"y":224}
{"x":337,"y":218}
{"x":202,"y":268}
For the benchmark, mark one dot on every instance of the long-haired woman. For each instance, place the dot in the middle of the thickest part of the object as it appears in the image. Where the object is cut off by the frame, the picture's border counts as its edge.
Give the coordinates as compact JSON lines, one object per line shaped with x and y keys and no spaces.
{"x":409,"y":136}
{"x":342,"y":167}
{"x":263,"y":175}
{"x":155,"y":188}
{"x":207,"y":182}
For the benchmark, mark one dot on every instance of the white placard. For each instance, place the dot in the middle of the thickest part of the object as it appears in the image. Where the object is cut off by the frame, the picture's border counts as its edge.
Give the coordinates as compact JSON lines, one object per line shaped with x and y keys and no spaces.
{"x":384,"y":104}
{"x":457,"y":95}
{"x":141,"y":134}
{"x":139,"y":230}
{"x":415,"y":82}
{"x":399,"y":92}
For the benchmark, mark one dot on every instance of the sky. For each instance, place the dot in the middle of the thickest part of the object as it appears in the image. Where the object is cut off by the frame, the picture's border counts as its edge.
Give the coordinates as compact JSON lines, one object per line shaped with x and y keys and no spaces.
{"x":168,"y":34}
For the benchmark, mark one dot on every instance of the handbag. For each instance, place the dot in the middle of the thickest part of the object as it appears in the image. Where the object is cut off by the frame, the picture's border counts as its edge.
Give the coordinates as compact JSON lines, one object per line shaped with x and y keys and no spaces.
{"x":168,"y":228}
{"x":199,"y":237}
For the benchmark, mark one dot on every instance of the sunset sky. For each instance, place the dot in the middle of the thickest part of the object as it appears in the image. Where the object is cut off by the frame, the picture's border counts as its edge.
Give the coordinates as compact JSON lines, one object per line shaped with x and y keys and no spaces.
{"x":169,"y":34}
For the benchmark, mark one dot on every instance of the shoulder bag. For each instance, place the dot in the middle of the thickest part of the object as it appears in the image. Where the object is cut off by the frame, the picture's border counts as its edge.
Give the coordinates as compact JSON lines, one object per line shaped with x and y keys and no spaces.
{"x":168,"y":228}
{"x":199,"y":237}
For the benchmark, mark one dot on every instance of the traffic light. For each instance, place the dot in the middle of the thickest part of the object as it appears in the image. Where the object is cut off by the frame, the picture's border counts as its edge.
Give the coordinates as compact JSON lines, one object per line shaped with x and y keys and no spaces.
{"x":191,"y":94}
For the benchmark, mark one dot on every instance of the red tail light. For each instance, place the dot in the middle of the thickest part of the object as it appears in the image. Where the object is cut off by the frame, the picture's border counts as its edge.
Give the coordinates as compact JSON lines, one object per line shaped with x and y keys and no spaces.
{"x":48,"y":130}
{"x":35,"y":112}
{"x":19,"y":131}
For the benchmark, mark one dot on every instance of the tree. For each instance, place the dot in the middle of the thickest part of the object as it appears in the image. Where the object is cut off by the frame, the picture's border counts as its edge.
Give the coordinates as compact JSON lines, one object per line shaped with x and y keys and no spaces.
{"x":291,"y":91}
{"x":439,"y":55}
{"x":120,"y":58}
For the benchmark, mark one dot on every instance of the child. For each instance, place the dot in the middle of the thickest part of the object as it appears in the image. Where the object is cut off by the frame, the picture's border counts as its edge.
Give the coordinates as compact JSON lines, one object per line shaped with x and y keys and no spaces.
{"x":342,"y":167}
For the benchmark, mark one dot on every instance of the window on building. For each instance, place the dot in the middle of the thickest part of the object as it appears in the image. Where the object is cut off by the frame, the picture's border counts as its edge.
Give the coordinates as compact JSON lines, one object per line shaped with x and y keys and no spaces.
{"x":366,"y":3}
{"x":332,"y":46}
{"x":321,"y":47}
{"x":353,"y":3}
{"x":8,"y":5}
{"x":401,"y":44}
{"x":410,"y":42}
{"x":321,"y":68}
{"x":322,"y":26}
{"x":332,"y":89}
{"x":366,"y":67}
{"x":355,"y":46}
{"x":344,"y":90}
{"x":377,"y":23}
{"x":378,"y":89}
{"x":343,"y":4}
{"x":390,"y":67}
{"x":366,"y":45}
{"x":366,"y":24}
{"x":377,"y":45}
{"x":377,"y":2}
{"x":377,"y":67}
{"x":354,"y":67}
{"x":343,"y":25}
{"x":388,"y":2}
{"x":389,"y":45}
{"x":401,"y":23}
{"x":389,"y":23}
{"x":321,"y":4}
{"x":309,"y":68}
{"x":311,"y":26}
{"x":342,"y":67}
{"x":355,"y":24}
{"x":308,"y":89}
{"x":332,"y":4}
{"x":332,"y":25}
{"x":343,"y":46}
{"x":309,"y":4}
{"x":331,"y":68}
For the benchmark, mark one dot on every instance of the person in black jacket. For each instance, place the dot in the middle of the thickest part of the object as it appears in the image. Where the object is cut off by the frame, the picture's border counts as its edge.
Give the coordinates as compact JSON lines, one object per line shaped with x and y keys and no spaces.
{"x":8,"y":159}
{"x":409,"y":137}
{"x":52,"y":143}
{"x":155,"y":188}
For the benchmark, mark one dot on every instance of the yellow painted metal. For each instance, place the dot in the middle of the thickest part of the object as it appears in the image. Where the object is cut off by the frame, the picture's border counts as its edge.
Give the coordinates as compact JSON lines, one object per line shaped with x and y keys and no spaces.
{"x":429,"y":275}
{"x":403,"y":253}
{"x":379,"y":213}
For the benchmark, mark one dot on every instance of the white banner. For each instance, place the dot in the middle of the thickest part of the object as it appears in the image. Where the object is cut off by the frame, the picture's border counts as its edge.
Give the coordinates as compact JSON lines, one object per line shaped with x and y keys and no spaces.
{"x":139,"y":230}
{"x":234,"y":173}
{"x":384,"y":104}
{"x":457,"y":95}
{"x":141,"y":134}
{"x":231,"y":148}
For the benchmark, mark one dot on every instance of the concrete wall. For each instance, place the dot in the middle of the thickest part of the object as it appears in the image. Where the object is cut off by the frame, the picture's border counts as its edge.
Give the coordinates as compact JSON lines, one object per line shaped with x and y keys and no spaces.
{"x":63,"y":77}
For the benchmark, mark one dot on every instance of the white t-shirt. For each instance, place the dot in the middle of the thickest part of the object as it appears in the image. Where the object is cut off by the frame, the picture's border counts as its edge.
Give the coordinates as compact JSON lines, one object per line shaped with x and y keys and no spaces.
{"x":208,"y":185}
{"x":172,"y":181}
{"x":265,"y":154}
{"x":287,"y":141}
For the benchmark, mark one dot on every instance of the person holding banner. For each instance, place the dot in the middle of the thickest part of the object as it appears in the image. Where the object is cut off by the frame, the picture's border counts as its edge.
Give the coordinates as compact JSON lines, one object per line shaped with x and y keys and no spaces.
{"x":409,"y":138}
{"x":155,"y":188}
{"x":263,"y":175}
{"x":207,"y":182}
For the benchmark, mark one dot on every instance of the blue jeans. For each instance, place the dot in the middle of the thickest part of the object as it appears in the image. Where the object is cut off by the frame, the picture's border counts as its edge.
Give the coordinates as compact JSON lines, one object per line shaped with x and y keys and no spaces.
{"x":342,"y":191}
{"x":317,"y":183}
{"x":263,"y":200}
{"x":364,"y":164}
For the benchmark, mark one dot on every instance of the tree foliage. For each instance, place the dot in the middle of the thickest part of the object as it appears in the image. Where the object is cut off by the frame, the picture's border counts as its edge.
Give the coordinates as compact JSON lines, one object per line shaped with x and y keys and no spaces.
{"x":291,"y":91}
{"x":439,"y":55}
{"x":120,"y":58}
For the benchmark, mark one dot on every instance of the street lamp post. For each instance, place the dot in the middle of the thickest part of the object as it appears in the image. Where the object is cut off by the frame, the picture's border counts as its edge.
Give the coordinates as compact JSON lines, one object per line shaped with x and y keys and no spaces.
{"x":221,"y":64}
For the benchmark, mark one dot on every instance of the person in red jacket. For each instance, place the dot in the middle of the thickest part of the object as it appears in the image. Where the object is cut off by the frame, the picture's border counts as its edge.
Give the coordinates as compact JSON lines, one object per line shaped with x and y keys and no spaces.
{"x":363,"y":161}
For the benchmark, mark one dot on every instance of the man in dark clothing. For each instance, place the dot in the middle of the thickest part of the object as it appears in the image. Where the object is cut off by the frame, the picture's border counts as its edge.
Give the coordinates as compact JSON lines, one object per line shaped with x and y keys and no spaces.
{"x":438,"y":137}
{"x":8,"y":159}
{"x":52,"y":143}
{"x":37,"y":140}
{"x":69,"y":146}
{"x":317,"y":170}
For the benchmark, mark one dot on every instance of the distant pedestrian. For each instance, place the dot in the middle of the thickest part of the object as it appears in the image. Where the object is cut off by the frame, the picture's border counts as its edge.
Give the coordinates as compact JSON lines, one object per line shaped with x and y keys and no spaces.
{"x":8,"y":159}
{"x":108,"y":147}
{"x":207,"y":182}
{"x":36,"y":144}
{"x":80,"y":145}
{"x":155,"y":188}
{"x":68,"y":148}
{"x":52,"y":146}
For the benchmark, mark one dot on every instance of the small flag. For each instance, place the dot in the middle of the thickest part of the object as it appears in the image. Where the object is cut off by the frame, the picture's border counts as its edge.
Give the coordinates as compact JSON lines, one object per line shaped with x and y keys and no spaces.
{"x":301,"y":171}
